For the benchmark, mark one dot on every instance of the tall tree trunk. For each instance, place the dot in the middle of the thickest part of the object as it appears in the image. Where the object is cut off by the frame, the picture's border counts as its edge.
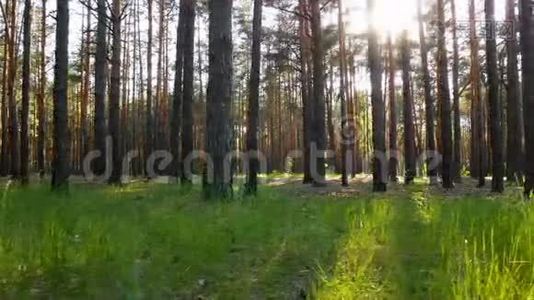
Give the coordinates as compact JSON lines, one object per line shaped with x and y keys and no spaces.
{"x":219,"y":99}
{"x":429,"y":100}
{"x":477,"y":125}
{"x":61,"y":166}
{"x":319,"y":109}
{"x":444,"y":99}
{"x":11,"y":96}
{"x":101,"y":70}
{"x":514,"y":152}
{"x":149,"y":135}
{"x":84,"y":124}
{"x":114,"y":94}
{"x":307,"y":112}
{"x":24,"y":132}
{"x":457,"y":160}
{"x":253,"y":100}
{"x":332,"y":141}
{"x":379,"y":123}
{"x":347,"y":138}
{"x":527,"y":56}
{"x":497,"y":157}
{"x":188,"y":83}
{"x":409,"y":126}
{"x":41,"y":115}
{"x":393,"y":160}
{"x":141,"y":109}
{"x":4,"y":169}
{"x":159,"y":100}
{"x":176,"y":121}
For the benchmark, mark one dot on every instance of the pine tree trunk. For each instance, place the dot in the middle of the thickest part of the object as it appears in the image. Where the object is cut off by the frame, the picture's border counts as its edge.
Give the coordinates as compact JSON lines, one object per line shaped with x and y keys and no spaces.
{"x":41,"y":115}
{"x":11,"y":96}
{"x":393,"y":160}
{"x":527,"y":56}
{"x":4,"y":168}
{"x":429,"y":100}
{"x":160,"y":107}
{"x":307,"y":112}
{"x":497,"y":157}
{"x":457,"y":160}
{"x":409,"y":126}
{"x":378,"y":109}
{"x":188,"y":83}
{"x":346,"y":124}
{"x":253,"y":100}
{"x":114,"y":94}
{"x":149,"y":135}
{"x":514,"y":152}
{"x":319,"y":107}
{"x":444,"y":100}
{"x":329,"y":101}
{"x":61,"y":165}
{"x":477,"y":125}
{"x":219,"y":99}
{"x":101,"y":70}
{"x":84,"y":124}
{"x":176,"y":121}
{"x":24,"y":132}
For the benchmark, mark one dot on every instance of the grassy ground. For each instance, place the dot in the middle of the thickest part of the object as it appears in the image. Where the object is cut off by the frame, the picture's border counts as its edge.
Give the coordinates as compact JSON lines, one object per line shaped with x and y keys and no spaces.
{"x":158,"y":241}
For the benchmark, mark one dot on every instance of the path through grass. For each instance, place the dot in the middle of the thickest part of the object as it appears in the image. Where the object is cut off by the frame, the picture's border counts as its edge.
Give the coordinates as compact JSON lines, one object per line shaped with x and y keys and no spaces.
{"x":414,"y":244}
{"x":149,"y":241}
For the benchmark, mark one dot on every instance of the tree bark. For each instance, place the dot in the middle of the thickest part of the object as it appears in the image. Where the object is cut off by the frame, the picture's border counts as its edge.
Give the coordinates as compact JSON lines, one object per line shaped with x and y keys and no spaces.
{"x":114,"y":94}
{"x":149,"y":135}
{"x":346,"y":125}
{"x":444,"y":100}
{"x":101,"y":70}
{"x":409,"y":125}
{"x":188,"y":83}
{"x":176,"y":120}
{"x":378,"y":109}
{"x":457,"y":160}
{"x":219,"y":99}
{"x":160,"y":108}
{"x":4,"y":169}
{"x":11,"y":96}
{"x":61,"y":166}
{"x":514,"y":152}
{"x":393,"y":159}
{"x":477,"y":123}
{"x":84,"y":124}
{"x":253,"y":100}
{"x":527,"y":56}
{"x":319,"y":107}
{"x":41,"y":115}
{"x":497,"y":157}
{"x":429,"y":100}
{"x":24,"y":130}
{"x":307,"y":113}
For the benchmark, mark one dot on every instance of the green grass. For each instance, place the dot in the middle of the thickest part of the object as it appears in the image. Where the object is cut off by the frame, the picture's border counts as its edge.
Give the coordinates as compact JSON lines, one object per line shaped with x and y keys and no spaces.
{"x":420,"y":245}
{"x":159,"y":241}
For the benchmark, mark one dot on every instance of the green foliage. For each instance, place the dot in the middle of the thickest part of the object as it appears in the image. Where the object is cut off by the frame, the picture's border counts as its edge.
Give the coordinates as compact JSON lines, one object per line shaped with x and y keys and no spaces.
{"x":160,"y":241}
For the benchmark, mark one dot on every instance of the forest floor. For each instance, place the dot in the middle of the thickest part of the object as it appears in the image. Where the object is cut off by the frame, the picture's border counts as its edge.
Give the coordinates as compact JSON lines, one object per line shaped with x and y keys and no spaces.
{"x":160,"y":241}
